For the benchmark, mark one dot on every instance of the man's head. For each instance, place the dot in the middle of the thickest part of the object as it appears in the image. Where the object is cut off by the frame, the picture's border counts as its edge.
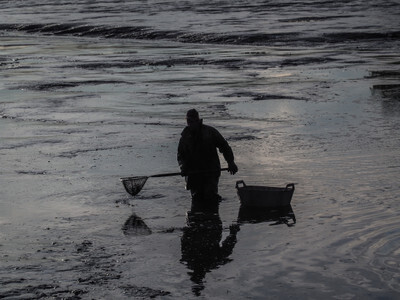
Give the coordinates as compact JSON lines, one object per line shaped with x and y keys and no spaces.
{"x":192,"y":118}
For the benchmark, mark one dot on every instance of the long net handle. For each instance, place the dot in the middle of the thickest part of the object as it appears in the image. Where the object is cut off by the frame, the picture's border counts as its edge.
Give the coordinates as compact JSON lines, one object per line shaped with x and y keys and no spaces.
{"x":176,"y":174}
{"x":133,"y":185}
{"x":169,"y":174}
{"x":165,"y":175}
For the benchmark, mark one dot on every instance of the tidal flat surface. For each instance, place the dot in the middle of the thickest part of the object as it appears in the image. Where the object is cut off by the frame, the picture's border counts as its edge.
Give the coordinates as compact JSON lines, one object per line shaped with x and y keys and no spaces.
{"x":303,"y":93}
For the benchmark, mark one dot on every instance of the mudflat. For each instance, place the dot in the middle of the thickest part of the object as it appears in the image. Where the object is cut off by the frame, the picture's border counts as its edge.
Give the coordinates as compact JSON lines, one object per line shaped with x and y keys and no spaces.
{"x":82,"y":105}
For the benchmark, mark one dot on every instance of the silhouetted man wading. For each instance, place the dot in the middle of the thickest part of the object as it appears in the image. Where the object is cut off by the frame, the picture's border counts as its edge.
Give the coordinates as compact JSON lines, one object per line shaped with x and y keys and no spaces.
{"x":199,"y":161}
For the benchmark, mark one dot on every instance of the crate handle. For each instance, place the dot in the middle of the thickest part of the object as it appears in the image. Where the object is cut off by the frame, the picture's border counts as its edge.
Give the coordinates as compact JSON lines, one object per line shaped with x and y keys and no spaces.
{"x":290,"y":185}
{"x":240,"y":182}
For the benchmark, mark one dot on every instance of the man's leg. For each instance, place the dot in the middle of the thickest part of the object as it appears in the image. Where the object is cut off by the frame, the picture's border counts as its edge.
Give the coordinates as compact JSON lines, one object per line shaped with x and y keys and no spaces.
{"x":205,"y":196}
{"x":196,"y":191}
{"x":210,"y":194}
{"x":210,"y":188}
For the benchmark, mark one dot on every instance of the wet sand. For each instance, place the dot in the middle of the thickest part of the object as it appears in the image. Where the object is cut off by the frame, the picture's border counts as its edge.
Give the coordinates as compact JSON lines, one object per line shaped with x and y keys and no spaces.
{"x":76,"y":116}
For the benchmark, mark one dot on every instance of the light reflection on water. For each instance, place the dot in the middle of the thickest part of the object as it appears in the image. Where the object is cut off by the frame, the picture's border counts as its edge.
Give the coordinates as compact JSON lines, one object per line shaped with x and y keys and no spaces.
{"x":122,"y":114}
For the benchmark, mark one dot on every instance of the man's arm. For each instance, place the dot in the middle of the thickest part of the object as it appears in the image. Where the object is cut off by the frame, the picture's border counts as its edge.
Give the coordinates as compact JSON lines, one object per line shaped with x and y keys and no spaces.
{"x":181,"y":157}
{"x":226,"y":151}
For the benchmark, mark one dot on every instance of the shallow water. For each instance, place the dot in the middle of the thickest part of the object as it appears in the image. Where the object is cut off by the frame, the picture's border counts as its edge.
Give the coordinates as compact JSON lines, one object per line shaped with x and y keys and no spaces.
{"x":305,"y":92}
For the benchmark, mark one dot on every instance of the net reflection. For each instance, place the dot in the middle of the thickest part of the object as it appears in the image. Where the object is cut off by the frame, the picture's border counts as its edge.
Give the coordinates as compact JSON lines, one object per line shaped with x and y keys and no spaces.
{"x":135,"y":226}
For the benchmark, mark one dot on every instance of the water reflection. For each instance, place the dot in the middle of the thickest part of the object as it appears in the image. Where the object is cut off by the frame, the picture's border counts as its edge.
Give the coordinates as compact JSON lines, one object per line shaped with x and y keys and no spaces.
{"x":202,"y":250}
{"x":282,"y":215}
{"x":390,"y":95}
{"x":201,"y":246}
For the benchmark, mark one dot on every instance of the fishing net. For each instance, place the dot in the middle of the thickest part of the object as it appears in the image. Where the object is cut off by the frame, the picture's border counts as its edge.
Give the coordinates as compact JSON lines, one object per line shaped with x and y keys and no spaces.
{"x":133,"y":185}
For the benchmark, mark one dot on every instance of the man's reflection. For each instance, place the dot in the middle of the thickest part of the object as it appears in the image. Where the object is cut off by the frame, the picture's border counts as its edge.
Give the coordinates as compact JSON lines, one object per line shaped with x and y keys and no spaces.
{"x":202,"y":250}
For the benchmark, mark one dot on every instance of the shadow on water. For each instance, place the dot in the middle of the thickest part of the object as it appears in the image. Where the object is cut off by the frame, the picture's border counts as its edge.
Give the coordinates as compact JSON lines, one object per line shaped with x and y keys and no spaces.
{"x":202,"y":247}
{"x":201,"y":244}
{"x":202,"y":250}
{"x":135,"y":226}
{"x":282,"y":215}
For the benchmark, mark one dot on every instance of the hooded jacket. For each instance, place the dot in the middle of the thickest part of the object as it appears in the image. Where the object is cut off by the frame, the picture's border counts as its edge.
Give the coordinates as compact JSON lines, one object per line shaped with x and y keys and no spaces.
{"x":197,"y":150}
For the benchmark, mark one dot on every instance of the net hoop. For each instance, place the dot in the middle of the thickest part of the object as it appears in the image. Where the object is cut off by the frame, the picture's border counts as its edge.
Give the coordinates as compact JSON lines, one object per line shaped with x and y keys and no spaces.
{"x":133,"y":185}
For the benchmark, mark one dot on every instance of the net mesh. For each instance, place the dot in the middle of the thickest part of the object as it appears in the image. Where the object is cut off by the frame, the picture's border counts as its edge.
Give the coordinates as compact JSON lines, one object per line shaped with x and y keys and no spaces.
{"x":133,"y":185}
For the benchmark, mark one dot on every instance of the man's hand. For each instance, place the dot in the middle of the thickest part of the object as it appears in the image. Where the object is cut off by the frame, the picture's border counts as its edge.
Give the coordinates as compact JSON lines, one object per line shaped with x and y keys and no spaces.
{"x":183,"y":170}
{"x":232,"y":168}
